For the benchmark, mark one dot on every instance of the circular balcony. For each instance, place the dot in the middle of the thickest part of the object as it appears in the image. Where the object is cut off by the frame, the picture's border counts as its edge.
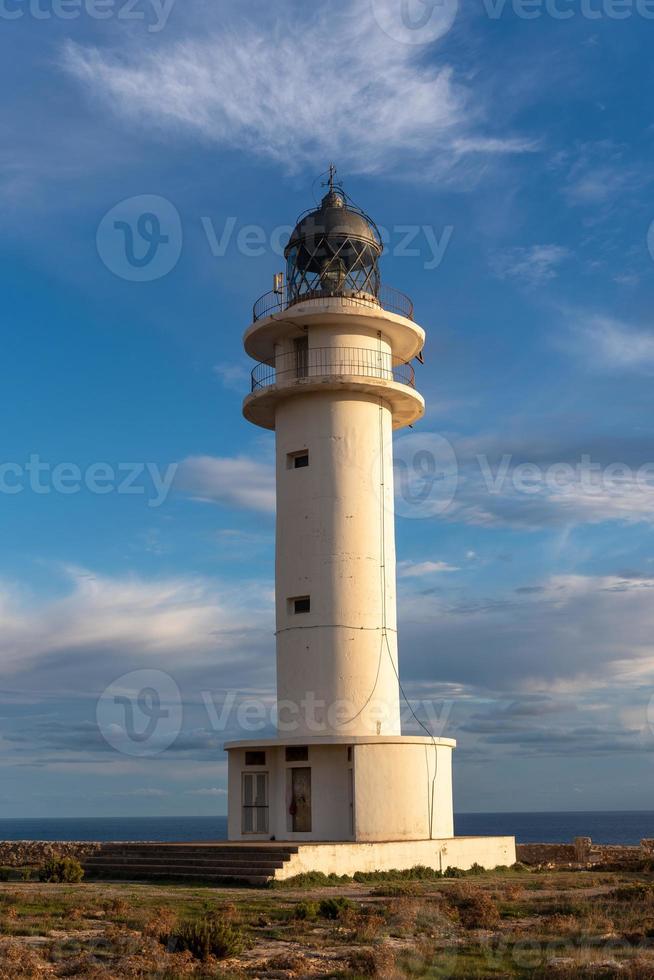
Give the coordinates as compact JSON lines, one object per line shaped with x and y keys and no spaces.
{"x":387,"y":298}
{"x":365,"y":370}
{"x":319,"y":362}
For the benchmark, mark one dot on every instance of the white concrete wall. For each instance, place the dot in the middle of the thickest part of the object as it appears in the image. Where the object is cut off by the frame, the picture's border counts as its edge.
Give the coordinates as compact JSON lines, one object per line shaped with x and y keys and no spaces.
{"x":346,"y":859}
{"x":402,"y":791}
{"x":335,"y":531}
{"x":330,"y":807}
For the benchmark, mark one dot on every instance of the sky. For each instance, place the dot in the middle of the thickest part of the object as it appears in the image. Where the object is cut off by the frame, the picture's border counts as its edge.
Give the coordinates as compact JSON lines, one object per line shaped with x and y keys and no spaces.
{"x":154,"y":157}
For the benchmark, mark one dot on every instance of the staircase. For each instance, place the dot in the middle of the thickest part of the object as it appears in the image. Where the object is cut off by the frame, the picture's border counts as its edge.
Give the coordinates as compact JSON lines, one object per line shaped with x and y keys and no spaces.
{"x":253,"y":864}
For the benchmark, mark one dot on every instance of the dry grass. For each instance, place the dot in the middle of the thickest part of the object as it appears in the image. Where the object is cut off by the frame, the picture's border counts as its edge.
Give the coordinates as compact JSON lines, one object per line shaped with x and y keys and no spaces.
{"x":576,"y":924}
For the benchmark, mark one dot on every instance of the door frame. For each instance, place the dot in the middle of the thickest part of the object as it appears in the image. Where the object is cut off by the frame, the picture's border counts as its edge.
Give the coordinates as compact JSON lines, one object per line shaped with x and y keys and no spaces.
{"x":291,"y":771}
{"x":255,"y":806}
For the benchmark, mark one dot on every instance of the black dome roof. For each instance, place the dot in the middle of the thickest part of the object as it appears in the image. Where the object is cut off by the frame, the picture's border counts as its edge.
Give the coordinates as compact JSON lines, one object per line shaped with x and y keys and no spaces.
{"x":335,"y":219}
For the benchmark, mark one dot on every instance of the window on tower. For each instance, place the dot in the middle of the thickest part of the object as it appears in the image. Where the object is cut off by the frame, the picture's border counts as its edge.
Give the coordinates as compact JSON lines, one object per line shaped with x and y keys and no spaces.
{"x":300,"y":604}
{"x":295,"y":461}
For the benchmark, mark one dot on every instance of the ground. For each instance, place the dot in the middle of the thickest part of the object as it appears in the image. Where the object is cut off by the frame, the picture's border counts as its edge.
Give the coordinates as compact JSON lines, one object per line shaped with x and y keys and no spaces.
{"x":507,"y":923}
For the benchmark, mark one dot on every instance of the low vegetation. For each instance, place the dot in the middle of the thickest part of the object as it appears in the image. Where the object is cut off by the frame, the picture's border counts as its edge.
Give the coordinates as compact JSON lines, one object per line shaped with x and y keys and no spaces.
{"x":500,"y":924}
{"x":60,"y":869}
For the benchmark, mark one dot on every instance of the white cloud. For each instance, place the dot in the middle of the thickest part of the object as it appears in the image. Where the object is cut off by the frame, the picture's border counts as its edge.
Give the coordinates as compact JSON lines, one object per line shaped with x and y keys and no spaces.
{"x":232,"y":376}
{"x":567,"y":634}
{"x":104,"y":626}
{"x":532,"y":265}
{"x":236,"y":482}
{"x":613,"y":345}
{"x":300,"y":89}
{"x":207,"y":791}
{"x":595,"y":174}
{"x":409,"y":569}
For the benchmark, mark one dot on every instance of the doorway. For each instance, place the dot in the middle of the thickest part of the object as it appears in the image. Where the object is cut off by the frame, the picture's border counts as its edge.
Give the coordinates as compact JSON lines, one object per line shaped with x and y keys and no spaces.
{"x":301,"y":797}
{"x":255,"y":803}
{"x":301,"y":347}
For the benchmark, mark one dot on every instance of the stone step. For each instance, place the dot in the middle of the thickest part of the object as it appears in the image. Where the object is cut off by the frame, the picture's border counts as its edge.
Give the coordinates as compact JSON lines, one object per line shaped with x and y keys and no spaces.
{"x":168,"y":849}
{"x":254,"y":864}
{"x":101,"y":860}
{"x":140,"y":873}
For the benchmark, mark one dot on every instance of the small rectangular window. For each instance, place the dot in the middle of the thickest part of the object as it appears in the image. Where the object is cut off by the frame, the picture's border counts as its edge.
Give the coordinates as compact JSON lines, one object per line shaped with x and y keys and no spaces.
{"x":300,"y":604}
{"x":297,"y":753}
{"x":255,"y":758}
{"x":296,"y":461}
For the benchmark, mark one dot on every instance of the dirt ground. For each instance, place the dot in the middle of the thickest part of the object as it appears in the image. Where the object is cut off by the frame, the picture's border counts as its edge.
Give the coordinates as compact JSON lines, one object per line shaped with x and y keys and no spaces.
{"x":509,"y":923}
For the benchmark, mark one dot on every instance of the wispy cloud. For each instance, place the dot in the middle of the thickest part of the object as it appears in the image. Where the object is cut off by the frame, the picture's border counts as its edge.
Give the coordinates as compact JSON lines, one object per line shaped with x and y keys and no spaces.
{"x":261,"y":88}
{"x":409,"y":569}
{"x":102,"y":626}
{"x":237,"y":482}
{"x":612,"y":345}
{"x":594,"y":174}
{"x":531,"y":265}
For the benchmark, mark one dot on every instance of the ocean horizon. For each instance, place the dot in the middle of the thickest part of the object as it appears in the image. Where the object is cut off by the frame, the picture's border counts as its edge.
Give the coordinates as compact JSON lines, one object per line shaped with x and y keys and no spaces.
{"x":605,"y":827}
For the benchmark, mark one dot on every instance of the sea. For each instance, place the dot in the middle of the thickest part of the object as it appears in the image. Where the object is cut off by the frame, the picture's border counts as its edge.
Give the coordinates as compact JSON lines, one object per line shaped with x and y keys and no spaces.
{"x":607,"y":827}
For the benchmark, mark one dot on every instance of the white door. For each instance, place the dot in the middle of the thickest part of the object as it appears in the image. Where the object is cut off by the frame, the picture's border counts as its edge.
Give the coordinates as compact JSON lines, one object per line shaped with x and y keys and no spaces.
{"x":255,"y":802}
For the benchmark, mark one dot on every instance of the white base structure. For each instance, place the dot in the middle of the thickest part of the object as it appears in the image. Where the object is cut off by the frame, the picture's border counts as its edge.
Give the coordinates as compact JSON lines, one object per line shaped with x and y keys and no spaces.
{"x":451,"y":852}
{"x":334,"y":380}
{"x":368,"y":788}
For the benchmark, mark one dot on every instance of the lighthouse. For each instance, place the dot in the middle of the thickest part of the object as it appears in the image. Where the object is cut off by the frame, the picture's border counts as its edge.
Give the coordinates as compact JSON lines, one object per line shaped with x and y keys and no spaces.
{"x":334,"y":379}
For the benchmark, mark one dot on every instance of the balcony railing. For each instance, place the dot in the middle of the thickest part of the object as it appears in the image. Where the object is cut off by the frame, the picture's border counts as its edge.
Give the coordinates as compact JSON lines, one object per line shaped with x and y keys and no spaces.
{"x":320,"y":362}
{"x":388,"y":299}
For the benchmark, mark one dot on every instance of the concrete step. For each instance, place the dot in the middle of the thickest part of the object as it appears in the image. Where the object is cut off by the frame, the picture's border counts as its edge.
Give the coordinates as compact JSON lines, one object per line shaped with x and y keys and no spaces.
{"x":205,"y":863}
{"x":189,"y":862}
{"x":231,"y":871}
{"x":233,"y":875}
{"x":168,"y":850}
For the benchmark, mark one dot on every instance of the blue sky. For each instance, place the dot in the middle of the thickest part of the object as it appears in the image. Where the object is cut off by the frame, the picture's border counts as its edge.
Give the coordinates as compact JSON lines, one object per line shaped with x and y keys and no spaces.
{"x":509,"y":159}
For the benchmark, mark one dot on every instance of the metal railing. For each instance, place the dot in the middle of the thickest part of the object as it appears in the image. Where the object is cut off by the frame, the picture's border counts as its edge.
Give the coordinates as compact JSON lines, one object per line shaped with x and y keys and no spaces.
{"x":320,"y":362}
{"x":388,"y":299}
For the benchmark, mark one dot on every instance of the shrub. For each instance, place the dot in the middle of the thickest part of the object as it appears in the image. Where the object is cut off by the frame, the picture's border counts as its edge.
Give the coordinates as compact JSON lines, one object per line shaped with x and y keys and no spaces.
{"x":61,"y":869}
{"x":206,"y":937}
{"x":332,"y":908}
{"x":306,"y":910}
{"x":376,"y":962}
{"x":5,"y":874}
{"x":454,"y":873}
{"x":27,"y":874}
{"x":476,"y":908}
{"x":639,"y":892}
{"x":399,"y":889}
{"x":311,"y":879}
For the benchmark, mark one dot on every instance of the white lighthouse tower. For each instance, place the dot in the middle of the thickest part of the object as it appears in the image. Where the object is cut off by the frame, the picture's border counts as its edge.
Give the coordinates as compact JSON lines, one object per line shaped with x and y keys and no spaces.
{"x":334,"y":379}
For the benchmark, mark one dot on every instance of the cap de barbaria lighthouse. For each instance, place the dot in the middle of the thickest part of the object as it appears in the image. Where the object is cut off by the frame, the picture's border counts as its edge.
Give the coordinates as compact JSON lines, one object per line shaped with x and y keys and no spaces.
{"x":334,"y":378}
